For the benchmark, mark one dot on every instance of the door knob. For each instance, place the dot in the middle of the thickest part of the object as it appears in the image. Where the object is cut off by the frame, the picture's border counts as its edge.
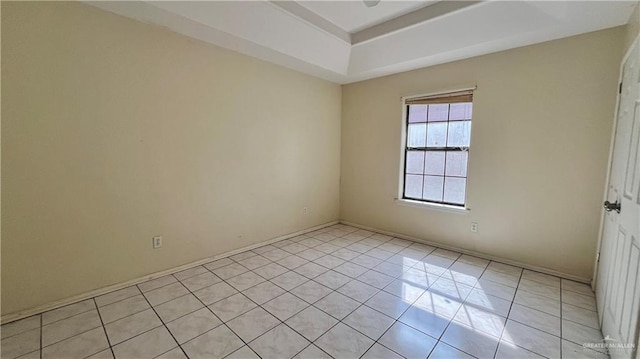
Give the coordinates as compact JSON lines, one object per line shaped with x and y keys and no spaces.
{"x":608,"y":206}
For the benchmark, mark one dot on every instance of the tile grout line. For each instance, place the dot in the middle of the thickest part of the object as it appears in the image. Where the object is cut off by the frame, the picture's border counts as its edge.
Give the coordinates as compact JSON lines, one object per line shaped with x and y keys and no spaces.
{"x":133,"y":313}
{"x":319,"y":231}
{"x":368,"y":269}
{"x":203,"y":303}
{"x":352,"y":278}
{"x":376,"y":341}
{"x":462,"y":302}
{"x":67,"y":338}
{"x":333,"y":326}
{"x":283,"y":323}
{"x":288,"y":326}
{"x":135,"y":336}
{"x":310,"y":305}
{"x":104,"y":329}
{"x":342,"y":246}
{"x":162,"y":321}
{"x":69,"y":317}
{"x":73,"y":336}
{"x":214,"y":314}
{"x":161,"y":354}
{"x":181,"y":316}
{"x":97,"y":309}
{"x":323,"y":229}
{"x":22,"y":332}
{"x":561,"y":333}
{"x":395,"y":278}
{"x":527,"y":325}
{"x":119,"y":300}
{"x":504,"y":327}
{"x":396,"y":320}
{"x":513,"y":302}
{"x":41,"y":326}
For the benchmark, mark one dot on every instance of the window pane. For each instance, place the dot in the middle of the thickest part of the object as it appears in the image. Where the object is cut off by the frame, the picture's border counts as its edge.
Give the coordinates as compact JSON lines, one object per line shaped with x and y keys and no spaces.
{"x":460,"y":111}
{"x":417,"y":113}
{"x":459,"y":134}
{"x":413,"y":186}
{"x":457,"y":163}
{"x":437,"y":157}
{"x":415,"y":162}
{"x":417,"y":135}
{"x":454,"y":190}
{"x":434,"y":163}
{"x":432,"y":188}
{"x":438,"y":112}
{"x":436,"y":134}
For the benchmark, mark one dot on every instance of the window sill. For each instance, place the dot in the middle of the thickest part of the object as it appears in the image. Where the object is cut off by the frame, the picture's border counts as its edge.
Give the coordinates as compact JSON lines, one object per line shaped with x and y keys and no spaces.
{"x":433,"y":206}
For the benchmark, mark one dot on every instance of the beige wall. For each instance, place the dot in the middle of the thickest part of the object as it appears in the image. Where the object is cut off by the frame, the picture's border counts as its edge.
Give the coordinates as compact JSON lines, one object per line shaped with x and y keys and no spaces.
{"x":542,"y":121}
{"x":115,"y":131}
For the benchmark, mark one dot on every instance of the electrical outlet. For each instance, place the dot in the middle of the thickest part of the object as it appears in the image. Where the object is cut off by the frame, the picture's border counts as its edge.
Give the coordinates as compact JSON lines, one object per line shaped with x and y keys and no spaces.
{"x":474,"y":227}
{"x":157,"y":242}
{"x":305,"y":210}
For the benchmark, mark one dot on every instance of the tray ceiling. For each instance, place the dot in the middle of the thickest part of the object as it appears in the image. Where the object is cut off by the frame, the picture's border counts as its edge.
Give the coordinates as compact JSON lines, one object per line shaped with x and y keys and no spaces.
{"x":346,"y":41}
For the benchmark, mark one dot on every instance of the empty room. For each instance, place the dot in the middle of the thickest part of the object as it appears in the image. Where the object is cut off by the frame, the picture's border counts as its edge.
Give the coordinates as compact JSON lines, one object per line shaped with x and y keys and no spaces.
{"x":320,"y":179}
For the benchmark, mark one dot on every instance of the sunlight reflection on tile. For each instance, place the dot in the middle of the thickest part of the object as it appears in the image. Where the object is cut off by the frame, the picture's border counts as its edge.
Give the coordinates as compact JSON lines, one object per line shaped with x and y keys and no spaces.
{"x":425,"y":321}
{"x":434,"y":264}
{"x":461,"y":278}
{"x":419,"y":278}
{"x":401,"y":260}
{"x":532,"y":339}
{"x":388,"y":304}
{"x":451,"y":289}
{"x":404,"y":294}
{"x":480,"y":320}
{"x":443,"y":350}
{"x":438,"y":304}
{"x":496,"y":289}
{"x":407,"y":291}
{"x":488,"y":302}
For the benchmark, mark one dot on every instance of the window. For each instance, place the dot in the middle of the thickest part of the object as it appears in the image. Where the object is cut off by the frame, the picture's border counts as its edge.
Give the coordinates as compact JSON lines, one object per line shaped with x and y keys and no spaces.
{"x":438,"y":131}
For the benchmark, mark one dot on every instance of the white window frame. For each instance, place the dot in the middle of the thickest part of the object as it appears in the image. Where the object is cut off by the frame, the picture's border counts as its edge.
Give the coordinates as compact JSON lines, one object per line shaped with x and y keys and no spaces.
{"x":400,"y":200}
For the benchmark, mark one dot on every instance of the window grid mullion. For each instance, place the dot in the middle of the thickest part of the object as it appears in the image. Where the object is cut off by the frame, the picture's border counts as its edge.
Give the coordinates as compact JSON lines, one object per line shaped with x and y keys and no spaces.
{"x":426,"y":138}
{"x":426,"y":149}
{"x":461,"y":149}
{"x":446,"y":142}
{"x":406,"y":150}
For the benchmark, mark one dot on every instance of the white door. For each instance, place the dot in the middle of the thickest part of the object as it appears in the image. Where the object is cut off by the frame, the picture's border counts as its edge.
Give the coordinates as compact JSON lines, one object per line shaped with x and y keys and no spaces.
{"x":618,"y":284}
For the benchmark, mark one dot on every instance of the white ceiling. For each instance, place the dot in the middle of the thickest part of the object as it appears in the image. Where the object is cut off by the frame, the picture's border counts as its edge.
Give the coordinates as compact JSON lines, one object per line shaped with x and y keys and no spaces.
{"x":344,"y":41}
{"x":353,"y":16}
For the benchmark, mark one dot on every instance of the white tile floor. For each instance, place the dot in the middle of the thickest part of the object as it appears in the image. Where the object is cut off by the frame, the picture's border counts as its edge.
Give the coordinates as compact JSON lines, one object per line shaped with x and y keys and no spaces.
{"x":337,"y":292}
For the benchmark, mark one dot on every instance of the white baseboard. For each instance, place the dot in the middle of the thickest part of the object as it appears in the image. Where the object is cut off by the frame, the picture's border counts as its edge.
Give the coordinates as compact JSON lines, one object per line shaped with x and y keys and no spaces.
{"x":94,"y":293}
{"x":473,"y":253}
{"x":77,"y":298}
